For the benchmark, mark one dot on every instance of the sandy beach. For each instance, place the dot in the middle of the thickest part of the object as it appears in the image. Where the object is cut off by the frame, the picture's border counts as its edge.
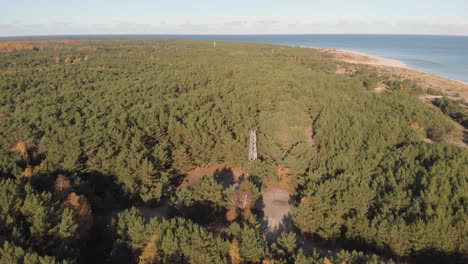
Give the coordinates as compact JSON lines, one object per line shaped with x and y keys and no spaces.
{"x":451,"y":87}
{"x":363,"y":58}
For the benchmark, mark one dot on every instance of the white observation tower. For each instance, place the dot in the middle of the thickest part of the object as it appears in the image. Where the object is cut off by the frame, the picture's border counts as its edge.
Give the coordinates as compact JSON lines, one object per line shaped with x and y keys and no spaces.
{"x":253,"y":146}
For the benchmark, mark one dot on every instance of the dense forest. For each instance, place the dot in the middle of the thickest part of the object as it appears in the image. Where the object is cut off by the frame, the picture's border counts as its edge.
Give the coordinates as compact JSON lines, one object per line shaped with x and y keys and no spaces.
{"x":94,"y":133}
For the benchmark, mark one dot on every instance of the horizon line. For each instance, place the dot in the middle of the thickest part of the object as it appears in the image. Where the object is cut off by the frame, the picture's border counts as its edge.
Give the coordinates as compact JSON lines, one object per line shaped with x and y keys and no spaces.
{"x":223,"y":34}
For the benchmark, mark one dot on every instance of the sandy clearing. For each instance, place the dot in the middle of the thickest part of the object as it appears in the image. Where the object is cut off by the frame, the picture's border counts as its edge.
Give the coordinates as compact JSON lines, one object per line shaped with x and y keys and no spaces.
{"x":225,"y":173}
{"x":276,"y":209}
{"x":340,"y":69}
{"x":429,"y":98}
{"x":381,"y":87}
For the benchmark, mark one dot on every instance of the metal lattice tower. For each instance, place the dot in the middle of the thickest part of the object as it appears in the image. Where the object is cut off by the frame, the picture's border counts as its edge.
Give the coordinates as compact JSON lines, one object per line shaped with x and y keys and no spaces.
{"x":253,"y":146}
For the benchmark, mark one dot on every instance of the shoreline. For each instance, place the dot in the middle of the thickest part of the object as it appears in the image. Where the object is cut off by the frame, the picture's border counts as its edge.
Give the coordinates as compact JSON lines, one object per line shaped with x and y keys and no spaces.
{"x":357,"y":57}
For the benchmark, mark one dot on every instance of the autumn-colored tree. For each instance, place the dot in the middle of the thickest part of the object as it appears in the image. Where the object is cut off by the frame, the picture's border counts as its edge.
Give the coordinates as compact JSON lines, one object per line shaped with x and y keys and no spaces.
{"x":28,"y":171}
{"x":232,"y":213}
{"x":21,"y":148}
{"x":234,"y":252}
{"x":284,"y":177}
{"x":326,"y":261}
{"x":82,"y":212}
{"x":241,"y":199}
{"x":62,"y":186}
{"x":150,"y":252}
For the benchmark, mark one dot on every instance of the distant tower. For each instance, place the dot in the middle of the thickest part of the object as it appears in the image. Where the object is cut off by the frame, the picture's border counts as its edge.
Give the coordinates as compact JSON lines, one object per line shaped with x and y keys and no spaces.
{"x":253,"y":146}
{"x":214,"y":44}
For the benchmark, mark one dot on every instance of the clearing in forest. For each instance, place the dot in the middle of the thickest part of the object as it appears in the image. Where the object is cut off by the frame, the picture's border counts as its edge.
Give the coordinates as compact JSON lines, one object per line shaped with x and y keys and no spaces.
{"x":227,"y":174}
{"x":276,"y":209}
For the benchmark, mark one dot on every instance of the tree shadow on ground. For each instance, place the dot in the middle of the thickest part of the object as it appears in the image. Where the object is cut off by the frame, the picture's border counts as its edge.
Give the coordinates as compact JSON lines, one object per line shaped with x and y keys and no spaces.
{"x":284,"y":226}
{"x":271,"y":232}
{"x":225,"y":177}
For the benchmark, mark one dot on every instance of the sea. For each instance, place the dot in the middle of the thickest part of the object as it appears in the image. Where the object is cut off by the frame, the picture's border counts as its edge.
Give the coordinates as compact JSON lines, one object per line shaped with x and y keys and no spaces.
{"x":441,"y":55}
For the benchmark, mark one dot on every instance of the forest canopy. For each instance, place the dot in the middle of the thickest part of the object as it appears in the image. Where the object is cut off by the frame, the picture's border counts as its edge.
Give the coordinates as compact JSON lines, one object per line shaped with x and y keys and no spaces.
{"x":92,"y":130}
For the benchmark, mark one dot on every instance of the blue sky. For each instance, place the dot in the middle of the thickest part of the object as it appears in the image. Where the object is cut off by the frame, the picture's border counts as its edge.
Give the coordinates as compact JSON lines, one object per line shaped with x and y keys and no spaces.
{"x":46,"y":17}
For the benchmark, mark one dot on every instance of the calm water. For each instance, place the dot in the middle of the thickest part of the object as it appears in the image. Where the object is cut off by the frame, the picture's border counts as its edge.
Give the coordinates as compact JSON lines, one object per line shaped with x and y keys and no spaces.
{"x":441,"y":55}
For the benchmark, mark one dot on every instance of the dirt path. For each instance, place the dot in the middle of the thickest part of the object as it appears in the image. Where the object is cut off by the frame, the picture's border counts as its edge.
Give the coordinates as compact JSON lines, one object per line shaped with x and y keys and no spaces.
{"x":310,"y":135}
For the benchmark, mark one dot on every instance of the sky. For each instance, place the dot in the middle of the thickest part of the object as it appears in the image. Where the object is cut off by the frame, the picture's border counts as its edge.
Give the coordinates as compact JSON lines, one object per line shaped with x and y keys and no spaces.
{"x":54,"y":17}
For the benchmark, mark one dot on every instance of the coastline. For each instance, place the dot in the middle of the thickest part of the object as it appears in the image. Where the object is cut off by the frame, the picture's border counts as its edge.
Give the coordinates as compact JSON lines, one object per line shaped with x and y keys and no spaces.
{"x":451,"y":87}
{"x":357,"y":57}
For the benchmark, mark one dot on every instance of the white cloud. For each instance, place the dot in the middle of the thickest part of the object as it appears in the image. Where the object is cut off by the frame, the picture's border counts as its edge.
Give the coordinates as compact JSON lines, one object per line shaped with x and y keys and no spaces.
{"x":235,"y":27}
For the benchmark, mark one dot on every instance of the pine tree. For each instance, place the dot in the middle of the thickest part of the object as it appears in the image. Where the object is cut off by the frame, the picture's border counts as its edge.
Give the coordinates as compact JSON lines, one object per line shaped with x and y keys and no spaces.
{"x":252,"y":242}
{"x":169,"y":245}
{"x":285,"y":247}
